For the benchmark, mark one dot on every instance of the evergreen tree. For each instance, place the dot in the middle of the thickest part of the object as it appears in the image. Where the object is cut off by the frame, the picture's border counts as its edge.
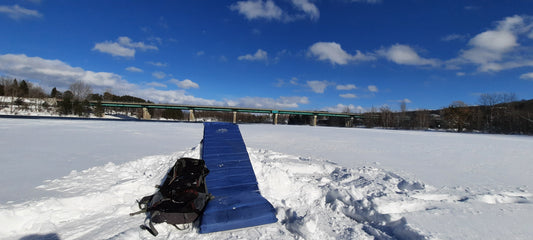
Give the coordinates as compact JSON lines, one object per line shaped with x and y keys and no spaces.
{"x":66,"y":104}
{"x":24,"y":89}
{"x":14,"y":88}
{"x":54,"y":93}
{"x":99,"y":109}
{"x":77,"y":107}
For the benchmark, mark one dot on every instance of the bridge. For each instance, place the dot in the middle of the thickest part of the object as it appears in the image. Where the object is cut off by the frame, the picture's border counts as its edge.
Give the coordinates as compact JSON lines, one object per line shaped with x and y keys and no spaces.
{"x":192,"y":108}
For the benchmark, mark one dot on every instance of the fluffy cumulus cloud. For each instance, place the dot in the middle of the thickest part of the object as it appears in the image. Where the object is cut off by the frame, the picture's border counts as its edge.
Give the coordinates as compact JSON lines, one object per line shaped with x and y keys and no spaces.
{"x":318,"y":86}
{"x":403,"y":54}
{"x":269,"y":10}
{"x":307,"y":7}
{"x":123,"y":47}
{"x":255,"y":9}
{"x":498,"y":48}
{"x":346,"y":87}
{"x":341,"y":108}
{"x":333,"y":52}
{"x":17,"y":12}
{"x":260,"y":55}
{"x":172,"y":96}
{"x":185,"y":84}
{"x":259,"y":102}
{"x":114,"y":49}
{"x":55,"y":73}
{"x":373,"y":88}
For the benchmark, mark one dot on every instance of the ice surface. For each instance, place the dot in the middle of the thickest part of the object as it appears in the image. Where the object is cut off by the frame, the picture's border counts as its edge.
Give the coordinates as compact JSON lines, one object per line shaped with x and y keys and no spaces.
{"x":79,"y":180}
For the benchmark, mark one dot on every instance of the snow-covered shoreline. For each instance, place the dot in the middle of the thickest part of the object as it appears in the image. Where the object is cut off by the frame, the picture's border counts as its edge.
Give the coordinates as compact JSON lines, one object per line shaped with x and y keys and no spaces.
{"x":79,"y":180}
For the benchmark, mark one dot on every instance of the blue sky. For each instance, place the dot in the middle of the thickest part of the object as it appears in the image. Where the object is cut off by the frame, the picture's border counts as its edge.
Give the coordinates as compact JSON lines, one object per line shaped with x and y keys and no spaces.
{"x":286,"y":54}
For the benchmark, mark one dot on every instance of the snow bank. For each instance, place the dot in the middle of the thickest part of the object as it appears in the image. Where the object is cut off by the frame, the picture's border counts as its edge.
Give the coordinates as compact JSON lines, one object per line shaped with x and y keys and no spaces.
{"x":313,"y":199}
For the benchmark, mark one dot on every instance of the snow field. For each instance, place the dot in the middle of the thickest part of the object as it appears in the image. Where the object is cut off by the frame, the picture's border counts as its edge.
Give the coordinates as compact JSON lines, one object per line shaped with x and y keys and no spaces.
{"x":325,"y":183}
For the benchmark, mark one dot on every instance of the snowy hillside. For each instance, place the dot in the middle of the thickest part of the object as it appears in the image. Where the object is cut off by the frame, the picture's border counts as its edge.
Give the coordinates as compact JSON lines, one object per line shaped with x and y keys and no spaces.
{"x":80,"y":179}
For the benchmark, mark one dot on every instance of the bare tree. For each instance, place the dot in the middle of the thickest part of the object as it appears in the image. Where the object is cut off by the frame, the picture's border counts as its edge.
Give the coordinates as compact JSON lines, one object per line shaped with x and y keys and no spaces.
{"x":80,"y":90}
{"x":457,"y":115}
{"x":386,"y":116}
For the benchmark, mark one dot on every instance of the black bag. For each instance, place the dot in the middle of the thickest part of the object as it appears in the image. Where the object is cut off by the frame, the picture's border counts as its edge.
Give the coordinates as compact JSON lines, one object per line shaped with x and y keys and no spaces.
{"x":181,"y":198}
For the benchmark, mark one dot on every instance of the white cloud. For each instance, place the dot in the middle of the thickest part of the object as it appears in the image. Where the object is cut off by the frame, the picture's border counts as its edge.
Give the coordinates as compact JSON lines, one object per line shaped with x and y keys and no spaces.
{"x":157,"y":64}
{"x":114,"y":49}
{"x":260,"y":55}
{"x":185,"y":84}
{"x":259,"y":102}
{"x":17,"y":12}
{"x":460,"y":74}
{"x":346,"y":87}
{"x":405,"y":100}
{"x":307,"y":7}
{"x":123,"y":47}
{"x":173,"y":96}
{"x":340,"y":108}
{"x":157,"y":84}
{"x":259,"y":9}
{"x":373,"y":88}
{"x":403,"y":54}
{"x":200,"y":53}
{"x":499,"y":48}
{"x":318,"y":86}
{"x":496,"y":41}
{"x":528,"y":76}
{"x":55,"y":73}
{"x":159,"y":75}
{"x":348,"y":95}
{"x":133,"y":69}
{"x":126,"y":41}
{"x":333,"y":52}
{"x":254,"y":9}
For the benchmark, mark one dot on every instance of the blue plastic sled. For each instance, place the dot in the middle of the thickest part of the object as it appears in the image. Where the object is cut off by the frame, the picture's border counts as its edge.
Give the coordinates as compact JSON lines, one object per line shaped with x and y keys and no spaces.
{"x":231,"y":180}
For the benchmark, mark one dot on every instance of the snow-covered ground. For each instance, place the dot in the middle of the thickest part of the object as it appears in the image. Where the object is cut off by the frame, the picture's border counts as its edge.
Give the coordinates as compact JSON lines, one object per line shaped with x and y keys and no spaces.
{"x":77,"y":179}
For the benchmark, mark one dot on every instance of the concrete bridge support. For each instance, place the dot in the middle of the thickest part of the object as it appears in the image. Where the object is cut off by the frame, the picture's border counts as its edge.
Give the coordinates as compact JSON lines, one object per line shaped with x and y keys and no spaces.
{"x":313,"y":120}
{"x":146,"y":114}
{"x":349,"y":122}
{"x":275,"y":119}
{"x":234,"y":117}
{"x":191,"y":116}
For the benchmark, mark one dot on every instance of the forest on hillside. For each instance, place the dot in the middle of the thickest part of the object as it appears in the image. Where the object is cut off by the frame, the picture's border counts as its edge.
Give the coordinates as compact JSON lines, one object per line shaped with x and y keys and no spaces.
{"x":494,"y":113}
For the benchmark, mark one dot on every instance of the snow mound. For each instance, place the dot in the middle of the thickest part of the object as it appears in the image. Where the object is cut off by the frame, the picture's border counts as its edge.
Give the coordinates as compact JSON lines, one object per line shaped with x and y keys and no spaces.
{"x":314,"y":199}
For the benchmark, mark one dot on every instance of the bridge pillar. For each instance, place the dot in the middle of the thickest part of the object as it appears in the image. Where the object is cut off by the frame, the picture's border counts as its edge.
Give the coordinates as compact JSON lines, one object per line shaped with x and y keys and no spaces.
{"x":313,"y":121}
{"x":146,"y":114}
{"x":349,"y":122}
{"x":234,"y":117}
{"x":275,"y":119}
{"x":191,"y":116}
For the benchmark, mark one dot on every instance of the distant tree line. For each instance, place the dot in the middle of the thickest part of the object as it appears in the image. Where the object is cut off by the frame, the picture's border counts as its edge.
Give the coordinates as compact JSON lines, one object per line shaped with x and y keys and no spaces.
{"x":494,"y":113}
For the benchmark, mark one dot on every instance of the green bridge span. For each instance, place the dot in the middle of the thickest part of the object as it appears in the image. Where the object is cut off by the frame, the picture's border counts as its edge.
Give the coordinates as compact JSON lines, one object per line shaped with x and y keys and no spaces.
{"x":234,"y":110}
